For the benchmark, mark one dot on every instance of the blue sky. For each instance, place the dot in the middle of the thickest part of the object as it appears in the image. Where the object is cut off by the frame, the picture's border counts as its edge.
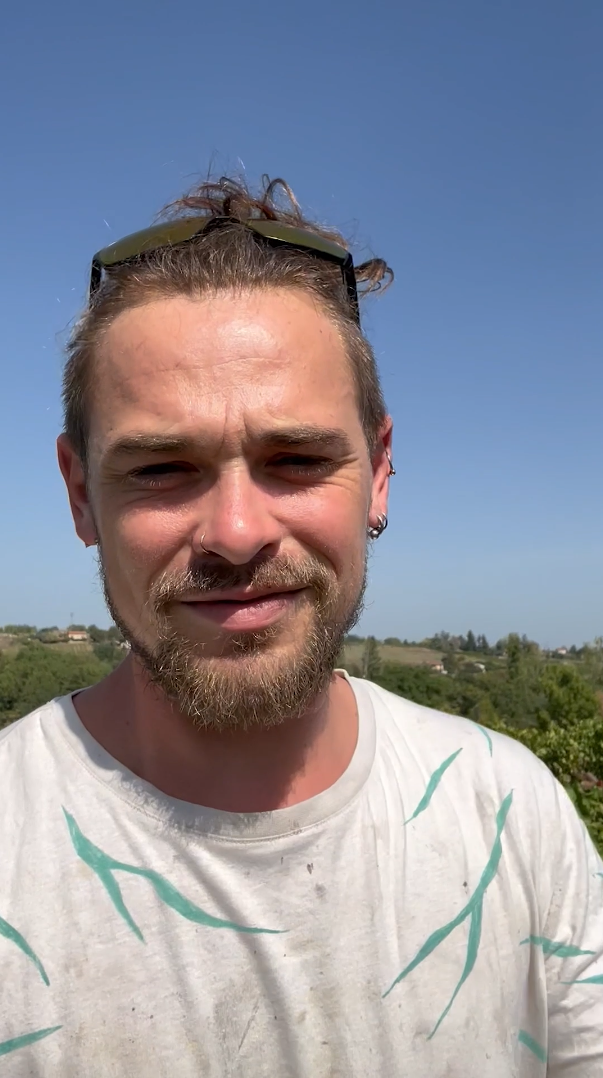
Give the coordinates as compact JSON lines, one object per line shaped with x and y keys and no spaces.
{"x":463,"y":142}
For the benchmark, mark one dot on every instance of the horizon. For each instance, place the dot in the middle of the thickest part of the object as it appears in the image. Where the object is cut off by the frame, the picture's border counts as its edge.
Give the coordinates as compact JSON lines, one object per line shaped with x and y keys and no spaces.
{"x":75,"y":625}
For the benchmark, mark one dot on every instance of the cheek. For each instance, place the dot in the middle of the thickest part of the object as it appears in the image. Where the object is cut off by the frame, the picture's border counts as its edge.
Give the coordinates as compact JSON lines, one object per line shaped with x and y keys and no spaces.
{"x":332,"y":522}
{"x":146,"y":539}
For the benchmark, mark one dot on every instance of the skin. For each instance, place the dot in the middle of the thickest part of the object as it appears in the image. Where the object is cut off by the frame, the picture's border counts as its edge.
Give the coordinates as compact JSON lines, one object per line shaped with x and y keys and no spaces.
{"x":226,"y":375}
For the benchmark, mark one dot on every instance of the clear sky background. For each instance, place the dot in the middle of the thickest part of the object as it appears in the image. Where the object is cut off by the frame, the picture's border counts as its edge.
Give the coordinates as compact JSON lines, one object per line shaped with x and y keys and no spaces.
{"x":460,"y":140}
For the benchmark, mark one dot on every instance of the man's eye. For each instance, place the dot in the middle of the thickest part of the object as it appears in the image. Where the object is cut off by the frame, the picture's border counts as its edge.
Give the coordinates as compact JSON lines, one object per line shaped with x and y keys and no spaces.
{"x":153,"y":474}
{"x":303,"y":465}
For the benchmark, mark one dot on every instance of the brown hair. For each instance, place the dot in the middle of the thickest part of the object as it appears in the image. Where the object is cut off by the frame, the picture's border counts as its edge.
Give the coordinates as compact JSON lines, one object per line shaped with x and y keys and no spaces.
{"x":228,"y":257}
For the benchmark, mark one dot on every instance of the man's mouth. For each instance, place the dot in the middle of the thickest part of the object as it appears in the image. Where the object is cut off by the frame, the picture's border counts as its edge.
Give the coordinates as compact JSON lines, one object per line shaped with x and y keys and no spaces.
{"x":243,"y":610}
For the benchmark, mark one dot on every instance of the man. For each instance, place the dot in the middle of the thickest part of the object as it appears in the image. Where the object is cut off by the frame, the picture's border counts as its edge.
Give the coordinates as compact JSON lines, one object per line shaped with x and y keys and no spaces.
{"x":226,"y":858}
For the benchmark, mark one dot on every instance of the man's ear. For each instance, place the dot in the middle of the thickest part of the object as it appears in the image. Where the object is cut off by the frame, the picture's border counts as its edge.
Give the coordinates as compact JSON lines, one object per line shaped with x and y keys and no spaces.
{"x":382,"y":466}
{"x":75,"y":480}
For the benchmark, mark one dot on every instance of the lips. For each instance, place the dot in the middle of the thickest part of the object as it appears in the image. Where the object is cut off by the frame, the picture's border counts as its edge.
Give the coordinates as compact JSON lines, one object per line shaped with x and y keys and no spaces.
{"x":240,"y":612}
{"x":240,"y":595}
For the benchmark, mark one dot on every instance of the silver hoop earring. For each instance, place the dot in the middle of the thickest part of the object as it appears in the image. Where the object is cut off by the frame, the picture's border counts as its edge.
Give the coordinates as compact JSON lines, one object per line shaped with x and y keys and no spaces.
{"x":377,"y":529}
{"x":203,"y":548}
{"x":392,"y":470}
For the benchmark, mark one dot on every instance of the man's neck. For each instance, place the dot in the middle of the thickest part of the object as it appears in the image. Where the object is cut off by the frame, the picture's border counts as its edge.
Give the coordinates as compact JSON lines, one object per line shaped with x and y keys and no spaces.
{"x":255,"y":770}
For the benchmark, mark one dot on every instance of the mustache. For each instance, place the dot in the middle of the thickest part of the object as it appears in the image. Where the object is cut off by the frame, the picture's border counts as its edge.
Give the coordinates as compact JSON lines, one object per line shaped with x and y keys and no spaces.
{"x":271,"y":573}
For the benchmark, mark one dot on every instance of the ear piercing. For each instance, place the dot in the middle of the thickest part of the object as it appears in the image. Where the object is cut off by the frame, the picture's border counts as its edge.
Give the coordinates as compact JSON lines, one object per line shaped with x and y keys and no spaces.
{"x":377,"y":529}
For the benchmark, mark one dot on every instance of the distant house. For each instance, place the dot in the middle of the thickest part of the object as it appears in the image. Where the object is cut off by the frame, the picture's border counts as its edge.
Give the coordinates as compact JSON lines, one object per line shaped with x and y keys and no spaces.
{"x":438,"y":668}
{"x":77,"y":636}
{"x":560,"y":651}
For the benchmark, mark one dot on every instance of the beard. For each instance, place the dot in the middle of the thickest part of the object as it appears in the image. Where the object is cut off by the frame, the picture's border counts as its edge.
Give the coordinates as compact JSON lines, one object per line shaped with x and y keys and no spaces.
{"x":253,"y":681}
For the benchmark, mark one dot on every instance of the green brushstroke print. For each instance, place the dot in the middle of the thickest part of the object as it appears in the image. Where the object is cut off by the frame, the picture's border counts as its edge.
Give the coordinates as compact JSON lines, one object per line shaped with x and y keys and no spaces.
{"x":598,"y":979}
{"x":104,"y":866}
{"x":432,"y":786}
{"x":27,"y":1038}
{"x":486,"y":735}
{"x":472,"y":911}
{"x":15,"y":937}
{"x":553,"y":947}
{"x":534,"y":1047}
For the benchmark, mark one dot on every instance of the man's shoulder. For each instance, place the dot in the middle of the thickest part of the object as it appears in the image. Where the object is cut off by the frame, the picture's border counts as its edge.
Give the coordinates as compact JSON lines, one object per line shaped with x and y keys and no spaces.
{"x":434,"y":736}
{"x":39,"y":728}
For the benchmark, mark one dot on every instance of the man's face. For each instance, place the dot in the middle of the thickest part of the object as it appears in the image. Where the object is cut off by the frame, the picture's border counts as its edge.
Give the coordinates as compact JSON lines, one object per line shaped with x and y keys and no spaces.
{"x":229,"y":421}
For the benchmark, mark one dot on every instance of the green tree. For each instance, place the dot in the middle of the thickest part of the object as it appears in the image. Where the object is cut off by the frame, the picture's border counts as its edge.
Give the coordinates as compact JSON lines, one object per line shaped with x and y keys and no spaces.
{"x":570,"y":700}
{"x":109,"y":652}
{"x":371,"y":660}
{"x":49,"y":635}
{"x":513,"y":655}
{"x":569,"y":735}
{"x":393,"y":641}
{"x":592,"y":659}
{"x":450,"y":661}
{"x":416,"y":683}
{"x":470,"y":643}
{"x":101,"y":636}
{"x":440,"y":642}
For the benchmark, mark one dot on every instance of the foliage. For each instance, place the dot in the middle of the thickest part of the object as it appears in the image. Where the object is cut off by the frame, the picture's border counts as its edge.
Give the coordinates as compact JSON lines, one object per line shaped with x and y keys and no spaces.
{"x":569,"y":735}
{"x":108,"y":652}
{"x":415,"y":683}
{"x":589,"y":803}
{"x":470,"y":643}
{"x":371,"y":661}
{"x":39,"y":672}
{"x":591,"y":656}
{"x":102,"y":636}
{"x":49,"y":635}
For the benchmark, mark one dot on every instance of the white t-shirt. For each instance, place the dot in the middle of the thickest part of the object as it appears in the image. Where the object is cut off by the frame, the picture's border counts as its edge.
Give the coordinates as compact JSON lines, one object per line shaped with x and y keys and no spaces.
{"x":437,"y":911}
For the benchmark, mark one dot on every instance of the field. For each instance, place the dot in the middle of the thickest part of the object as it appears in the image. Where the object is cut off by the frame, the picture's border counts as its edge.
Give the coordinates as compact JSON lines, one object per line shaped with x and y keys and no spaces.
{"x":11,"y":645}
{"x":406,"y":656}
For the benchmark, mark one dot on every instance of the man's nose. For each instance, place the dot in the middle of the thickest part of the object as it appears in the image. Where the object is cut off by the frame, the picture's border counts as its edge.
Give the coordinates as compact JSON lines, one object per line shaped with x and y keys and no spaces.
{"x":235,"y":520}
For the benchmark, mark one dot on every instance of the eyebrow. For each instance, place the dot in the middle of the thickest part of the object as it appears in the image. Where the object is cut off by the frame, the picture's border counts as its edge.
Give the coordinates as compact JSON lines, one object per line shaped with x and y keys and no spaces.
{"x":298,"y":437}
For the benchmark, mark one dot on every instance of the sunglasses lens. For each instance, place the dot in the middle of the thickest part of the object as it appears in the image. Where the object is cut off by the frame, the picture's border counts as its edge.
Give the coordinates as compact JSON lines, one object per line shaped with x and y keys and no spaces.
{"x":299,"y":237}
{"x":150,"y":239}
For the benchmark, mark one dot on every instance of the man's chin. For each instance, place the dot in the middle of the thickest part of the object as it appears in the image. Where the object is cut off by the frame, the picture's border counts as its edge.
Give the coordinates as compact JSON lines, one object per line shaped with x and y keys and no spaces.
{"x":250,"y":682}
{"x":235,"y":648}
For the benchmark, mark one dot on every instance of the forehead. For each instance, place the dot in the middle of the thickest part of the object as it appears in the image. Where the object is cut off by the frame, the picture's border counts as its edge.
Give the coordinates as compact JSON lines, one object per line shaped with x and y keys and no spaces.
{"x":233,"y":364}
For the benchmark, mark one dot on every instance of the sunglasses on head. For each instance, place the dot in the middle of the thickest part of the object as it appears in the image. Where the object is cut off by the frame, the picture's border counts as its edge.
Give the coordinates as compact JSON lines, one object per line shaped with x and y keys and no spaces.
{"x":171,"y":233}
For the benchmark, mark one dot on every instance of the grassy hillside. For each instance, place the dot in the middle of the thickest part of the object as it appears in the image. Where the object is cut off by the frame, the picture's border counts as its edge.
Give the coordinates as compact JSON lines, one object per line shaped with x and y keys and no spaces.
{"x":388,"y":653}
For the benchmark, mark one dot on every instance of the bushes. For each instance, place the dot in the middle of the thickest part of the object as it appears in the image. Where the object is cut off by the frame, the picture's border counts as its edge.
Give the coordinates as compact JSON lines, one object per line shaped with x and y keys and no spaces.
{"x":416,"y":683}
{"x":39,"y":672}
